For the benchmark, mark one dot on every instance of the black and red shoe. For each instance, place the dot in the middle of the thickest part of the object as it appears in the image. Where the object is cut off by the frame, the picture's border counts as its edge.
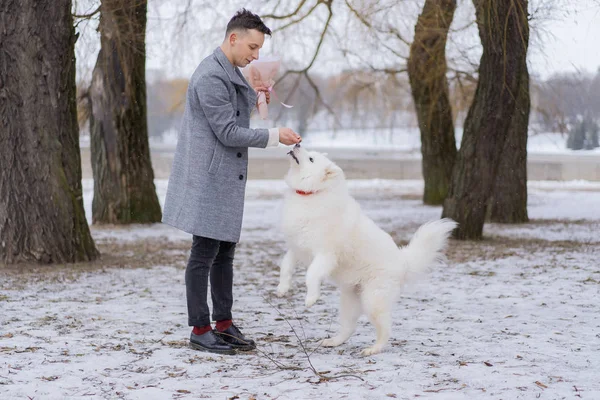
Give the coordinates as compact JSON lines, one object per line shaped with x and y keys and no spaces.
{"x":234,"y":337}
{"x":212,"y":343}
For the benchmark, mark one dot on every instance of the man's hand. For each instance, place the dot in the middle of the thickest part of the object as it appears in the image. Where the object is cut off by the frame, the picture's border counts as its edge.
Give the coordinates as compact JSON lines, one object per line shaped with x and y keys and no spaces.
{"x":288,"y":136}
{"x":265,"y":90}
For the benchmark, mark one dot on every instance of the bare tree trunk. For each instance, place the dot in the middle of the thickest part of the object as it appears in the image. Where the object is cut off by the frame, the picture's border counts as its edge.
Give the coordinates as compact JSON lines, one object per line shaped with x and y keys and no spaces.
{"x":124,"y":190}
{"x":41,"y":206}
{"x":504,"y":32}
{"x":508,"y":203}
{"x":427,"y":73}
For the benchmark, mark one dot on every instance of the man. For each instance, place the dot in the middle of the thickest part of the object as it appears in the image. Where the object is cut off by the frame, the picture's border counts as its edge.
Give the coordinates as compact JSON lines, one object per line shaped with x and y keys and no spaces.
{"x":205,"y":196}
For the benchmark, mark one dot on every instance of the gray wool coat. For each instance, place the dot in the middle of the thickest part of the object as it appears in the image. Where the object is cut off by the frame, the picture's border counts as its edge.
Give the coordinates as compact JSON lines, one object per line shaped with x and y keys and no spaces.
{"x":205,"y":195}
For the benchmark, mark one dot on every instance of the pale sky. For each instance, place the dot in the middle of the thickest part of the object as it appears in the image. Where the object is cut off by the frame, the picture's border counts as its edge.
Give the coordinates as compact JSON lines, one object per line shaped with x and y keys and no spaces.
{"x":571,"y":43}
{"x":566,"y":39}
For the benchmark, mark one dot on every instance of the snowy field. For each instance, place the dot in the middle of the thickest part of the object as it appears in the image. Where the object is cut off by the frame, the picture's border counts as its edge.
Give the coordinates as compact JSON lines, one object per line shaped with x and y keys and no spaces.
{"x":515,"y":316}
{"x":403,"y":139}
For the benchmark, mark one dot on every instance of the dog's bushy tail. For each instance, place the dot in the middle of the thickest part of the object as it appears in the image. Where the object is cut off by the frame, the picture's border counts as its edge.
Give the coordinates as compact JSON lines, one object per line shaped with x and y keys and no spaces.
{"x":426,"y":247}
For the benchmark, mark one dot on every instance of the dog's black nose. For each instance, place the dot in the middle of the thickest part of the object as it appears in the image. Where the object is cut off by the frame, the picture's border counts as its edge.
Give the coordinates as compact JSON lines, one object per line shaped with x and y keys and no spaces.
{"x":297,"y":145}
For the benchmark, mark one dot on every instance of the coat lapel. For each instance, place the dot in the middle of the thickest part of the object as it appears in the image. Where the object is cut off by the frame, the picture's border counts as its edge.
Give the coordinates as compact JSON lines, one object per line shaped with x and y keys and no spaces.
{"x":234,"y":76}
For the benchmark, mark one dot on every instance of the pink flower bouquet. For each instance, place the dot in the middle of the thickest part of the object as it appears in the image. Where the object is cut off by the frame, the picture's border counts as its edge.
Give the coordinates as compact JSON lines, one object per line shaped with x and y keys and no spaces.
{"x":262,"y":72}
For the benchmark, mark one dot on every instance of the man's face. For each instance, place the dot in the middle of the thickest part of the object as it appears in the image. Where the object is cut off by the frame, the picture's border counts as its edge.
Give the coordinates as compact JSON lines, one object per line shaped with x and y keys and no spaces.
{"x":245,"y":46}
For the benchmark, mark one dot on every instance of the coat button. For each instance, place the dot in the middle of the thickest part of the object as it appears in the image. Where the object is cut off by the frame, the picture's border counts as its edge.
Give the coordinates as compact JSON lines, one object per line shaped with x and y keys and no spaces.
{"x":237,"y":113}
{"x":239,"y":155}
{"x":241,"y":177}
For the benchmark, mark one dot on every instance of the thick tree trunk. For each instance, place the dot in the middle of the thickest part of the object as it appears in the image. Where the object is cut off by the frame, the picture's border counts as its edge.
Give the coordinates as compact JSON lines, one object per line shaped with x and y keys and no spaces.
{"x":508,"y":203}
{"x":429,"y":85}
{"x":504,"y":33}
{"x":124,"y":190}
{"x":41,"y":206}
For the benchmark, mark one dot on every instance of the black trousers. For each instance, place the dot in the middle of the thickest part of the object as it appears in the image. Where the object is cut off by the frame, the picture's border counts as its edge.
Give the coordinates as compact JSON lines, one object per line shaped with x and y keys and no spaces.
{"x":214,"y":258}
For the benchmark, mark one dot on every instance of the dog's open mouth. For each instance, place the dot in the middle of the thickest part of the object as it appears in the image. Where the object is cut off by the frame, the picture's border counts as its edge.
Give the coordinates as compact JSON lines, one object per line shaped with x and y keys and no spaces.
{"x":291,"y":153}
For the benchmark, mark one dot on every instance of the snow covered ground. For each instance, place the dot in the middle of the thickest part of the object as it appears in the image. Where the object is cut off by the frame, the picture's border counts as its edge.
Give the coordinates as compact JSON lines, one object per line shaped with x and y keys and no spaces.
{"x":515,"y":316}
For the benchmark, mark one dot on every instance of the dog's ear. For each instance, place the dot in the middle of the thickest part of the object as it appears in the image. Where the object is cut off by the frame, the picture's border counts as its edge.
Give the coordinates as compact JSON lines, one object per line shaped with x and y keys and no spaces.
{"x":330,"y":172}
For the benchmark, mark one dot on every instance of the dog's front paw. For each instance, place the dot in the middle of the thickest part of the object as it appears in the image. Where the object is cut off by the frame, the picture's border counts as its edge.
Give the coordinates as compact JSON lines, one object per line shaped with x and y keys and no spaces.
{"x":332,"y":342}
{"x":310,"y":300}
{"x":369,"y":351}
{"x":282,"y":290}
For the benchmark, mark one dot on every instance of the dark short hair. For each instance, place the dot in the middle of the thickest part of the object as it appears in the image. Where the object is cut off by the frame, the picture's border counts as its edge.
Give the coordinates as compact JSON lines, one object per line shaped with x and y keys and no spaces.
{"x":245,"y":20}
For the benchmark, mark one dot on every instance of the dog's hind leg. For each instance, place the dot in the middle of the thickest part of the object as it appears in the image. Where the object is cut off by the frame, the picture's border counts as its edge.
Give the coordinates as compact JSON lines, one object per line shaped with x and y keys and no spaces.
{"x":286,"y":270}
{"x":350,"y":310}
{"x":378,"y":308}
{"x":319,"y":269}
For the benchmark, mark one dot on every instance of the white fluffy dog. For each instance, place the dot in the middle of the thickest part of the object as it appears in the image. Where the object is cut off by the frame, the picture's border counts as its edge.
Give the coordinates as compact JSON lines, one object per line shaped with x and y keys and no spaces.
{"x":325,"y":229}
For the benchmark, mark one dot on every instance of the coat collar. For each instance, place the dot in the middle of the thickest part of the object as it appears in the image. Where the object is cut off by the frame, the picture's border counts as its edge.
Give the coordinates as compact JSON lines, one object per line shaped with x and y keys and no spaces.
{"x":234,"y":74}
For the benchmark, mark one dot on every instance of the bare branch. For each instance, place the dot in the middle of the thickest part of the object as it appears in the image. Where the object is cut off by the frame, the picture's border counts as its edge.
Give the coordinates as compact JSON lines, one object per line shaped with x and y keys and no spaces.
{"x":464,"y":28}
{"x":321,"y":39}
{"x":394,"y":51}
{"x":88,"y":15}
{"x":296,"y":11}
{"x":358,"y":15}
{"x":320,"y":98}
{"x":322,"y":377}
{"x":390,"y":31}
{"x":396,"y":33}
{"x":469,"y":76}
{"x":184,"y":17}
{"x":363,"y":16}
{"x":305,"y":70}
{"x":390,"y":71}
{"x":297,"y":20}
{"x":387,"y":70}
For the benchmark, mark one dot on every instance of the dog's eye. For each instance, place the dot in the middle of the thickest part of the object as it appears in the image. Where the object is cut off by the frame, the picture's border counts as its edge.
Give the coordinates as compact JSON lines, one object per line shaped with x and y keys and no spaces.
{"x":311,"y":160}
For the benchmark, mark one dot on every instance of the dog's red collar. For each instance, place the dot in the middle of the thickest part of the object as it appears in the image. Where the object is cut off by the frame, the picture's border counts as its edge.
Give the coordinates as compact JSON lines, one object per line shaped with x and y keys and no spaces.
{"x":303,"y":193}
